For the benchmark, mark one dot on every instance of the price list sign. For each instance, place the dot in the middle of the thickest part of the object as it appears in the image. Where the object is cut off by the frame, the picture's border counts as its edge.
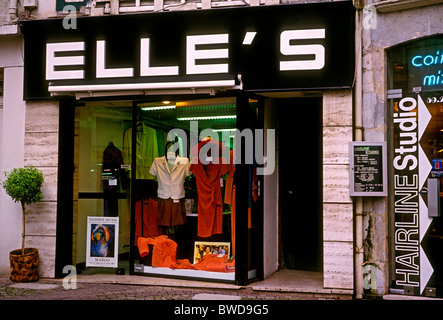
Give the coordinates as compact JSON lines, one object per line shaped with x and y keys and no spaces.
{"x":368,"y":169}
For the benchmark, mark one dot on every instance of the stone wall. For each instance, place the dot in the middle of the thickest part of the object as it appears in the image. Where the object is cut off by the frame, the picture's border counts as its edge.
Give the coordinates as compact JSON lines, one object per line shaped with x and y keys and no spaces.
{"x":338,"y":265}
{"x":41,"y":151}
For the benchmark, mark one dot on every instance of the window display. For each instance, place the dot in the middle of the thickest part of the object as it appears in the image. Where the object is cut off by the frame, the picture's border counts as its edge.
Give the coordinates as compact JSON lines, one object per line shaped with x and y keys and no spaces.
{"x":182,"y":195}
{"x":181,"y":179}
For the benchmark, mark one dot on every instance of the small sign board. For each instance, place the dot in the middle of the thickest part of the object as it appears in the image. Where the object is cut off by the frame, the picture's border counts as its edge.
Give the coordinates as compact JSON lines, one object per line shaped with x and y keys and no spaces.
{"x":368,"y":169}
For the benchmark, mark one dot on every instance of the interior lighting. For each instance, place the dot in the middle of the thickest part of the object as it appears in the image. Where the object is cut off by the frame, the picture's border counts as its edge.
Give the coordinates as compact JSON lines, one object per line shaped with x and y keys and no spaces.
{"x":224,"y":130}
{"x":154,"y":108}
{"x":207,"y":118}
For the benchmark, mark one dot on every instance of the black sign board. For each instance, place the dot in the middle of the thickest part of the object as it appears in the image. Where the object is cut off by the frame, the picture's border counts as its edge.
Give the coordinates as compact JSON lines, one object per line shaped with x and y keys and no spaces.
{"x":262,"y":48}
{"x":368,"y":169}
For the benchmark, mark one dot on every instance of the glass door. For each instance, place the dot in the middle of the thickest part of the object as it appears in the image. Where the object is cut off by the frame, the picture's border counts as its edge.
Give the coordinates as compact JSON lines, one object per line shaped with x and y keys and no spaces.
{"x":101,"y":210}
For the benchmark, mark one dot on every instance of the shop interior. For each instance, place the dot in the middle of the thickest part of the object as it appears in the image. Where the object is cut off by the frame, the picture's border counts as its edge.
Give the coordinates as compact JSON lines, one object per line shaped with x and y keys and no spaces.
{"x":186,"y":232}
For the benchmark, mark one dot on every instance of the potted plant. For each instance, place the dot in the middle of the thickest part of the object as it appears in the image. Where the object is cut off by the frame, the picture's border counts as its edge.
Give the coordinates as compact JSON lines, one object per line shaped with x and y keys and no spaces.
{"x":24,"y":185}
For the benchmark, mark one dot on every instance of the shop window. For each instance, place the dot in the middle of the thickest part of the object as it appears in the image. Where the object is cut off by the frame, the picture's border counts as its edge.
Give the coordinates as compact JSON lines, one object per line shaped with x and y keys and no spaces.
{"x":173,"y":197}
{"x":415,"y":94}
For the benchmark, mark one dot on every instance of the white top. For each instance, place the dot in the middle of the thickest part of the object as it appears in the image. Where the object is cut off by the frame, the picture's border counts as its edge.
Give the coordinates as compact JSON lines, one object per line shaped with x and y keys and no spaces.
{"x":170,"y":182}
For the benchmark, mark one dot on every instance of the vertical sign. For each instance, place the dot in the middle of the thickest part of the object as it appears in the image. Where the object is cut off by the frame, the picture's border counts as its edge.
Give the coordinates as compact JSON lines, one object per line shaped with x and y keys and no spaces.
{"x":406,"y":193}
{"x":411,"y":169}
{"x":368,"y":169}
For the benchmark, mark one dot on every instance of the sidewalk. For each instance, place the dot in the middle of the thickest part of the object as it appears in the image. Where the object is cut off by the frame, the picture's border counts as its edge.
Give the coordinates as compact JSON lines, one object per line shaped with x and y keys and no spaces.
{"x":280,"y":286}
{"x":125,"y":287}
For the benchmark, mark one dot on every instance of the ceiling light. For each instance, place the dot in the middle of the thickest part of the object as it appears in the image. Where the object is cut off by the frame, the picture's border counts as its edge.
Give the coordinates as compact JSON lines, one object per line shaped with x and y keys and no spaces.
{"x":207,"y":118}
{"x":153,"y":108}
{"x":224,"y":130}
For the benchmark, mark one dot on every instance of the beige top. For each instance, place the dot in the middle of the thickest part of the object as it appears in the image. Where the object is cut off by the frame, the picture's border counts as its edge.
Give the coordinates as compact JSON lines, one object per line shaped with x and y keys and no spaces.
{"x":170,"y":181}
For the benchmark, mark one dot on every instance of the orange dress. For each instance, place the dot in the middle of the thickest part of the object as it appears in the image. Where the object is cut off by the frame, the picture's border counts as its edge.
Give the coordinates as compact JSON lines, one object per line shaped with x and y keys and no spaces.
{"x":210,"y":202}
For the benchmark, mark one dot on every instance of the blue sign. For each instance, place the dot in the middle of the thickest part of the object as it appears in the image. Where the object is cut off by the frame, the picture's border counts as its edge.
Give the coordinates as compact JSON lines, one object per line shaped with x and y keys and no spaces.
{"x":429,"y":65}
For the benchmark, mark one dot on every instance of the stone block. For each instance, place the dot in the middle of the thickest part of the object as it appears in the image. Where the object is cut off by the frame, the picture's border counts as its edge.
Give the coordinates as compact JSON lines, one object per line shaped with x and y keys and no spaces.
{"x":41,"y":149}
{"x":46,"y":248}
{"x":335,"y":148}
{"x":41,"y":218}
{"x":337,"y":222}
{"x":336,"y":183}
{"x":337,"y":108}
{"x":42,"y":116}
{"x":338,"y":265}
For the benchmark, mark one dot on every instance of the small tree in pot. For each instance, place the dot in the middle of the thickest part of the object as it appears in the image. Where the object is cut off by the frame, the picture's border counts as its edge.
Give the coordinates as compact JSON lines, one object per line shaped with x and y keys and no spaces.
{"x":24,"y":185}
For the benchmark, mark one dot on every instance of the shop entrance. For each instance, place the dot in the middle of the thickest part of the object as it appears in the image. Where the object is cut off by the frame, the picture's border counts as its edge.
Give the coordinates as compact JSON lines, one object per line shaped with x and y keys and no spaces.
{"x":300,"y":176}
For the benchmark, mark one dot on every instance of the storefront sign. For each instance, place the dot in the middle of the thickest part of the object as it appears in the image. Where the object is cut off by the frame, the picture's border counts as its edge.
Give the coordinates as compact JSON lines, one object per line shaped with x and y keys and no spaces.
{"x":429,"y":67}
{"x":264,"y":48}
{"x":417,"y":66}
{"x":411,"y":169}
{"x":102,"y":242}
{"x":368,"y":169}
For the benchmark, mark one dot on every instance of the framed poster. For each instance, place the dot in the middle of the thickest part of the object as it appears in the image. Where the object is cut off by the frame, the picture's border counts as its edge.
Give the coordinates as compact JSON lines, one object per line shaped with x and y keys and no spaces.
{"x":202,"y":248}
{"x":102,"y":242}
{"x":368,"y":176}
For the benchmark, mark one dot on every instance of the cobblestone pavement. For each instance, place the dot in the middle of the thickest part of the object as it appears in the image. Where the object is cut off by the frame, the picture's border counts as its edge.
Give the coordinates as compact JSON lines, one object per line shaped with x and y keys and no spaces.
{"x":52,"y":289}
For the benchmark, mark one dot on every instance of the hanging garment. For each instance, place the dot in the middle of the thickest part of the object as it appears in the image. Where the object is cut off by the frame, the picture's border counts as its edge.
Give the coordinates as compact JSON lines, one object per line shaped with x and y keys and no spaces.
{"x":229,"y":187}
{"x":112,"y":162}
{"x":230,"y":196}
{"x":111,"y":177}
{"x":210,"y":204}
{"x":146,"y":219}
{"x":163,"y":253}
{"x":147,"y":149}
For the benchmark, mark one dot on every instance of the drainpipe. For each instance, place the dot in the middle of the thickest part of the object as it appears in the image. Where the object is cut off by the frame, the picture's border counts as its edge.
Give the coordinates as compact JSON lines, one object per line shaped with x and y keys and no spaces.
{"x":358,"y":136}
{"x":13,"y":11}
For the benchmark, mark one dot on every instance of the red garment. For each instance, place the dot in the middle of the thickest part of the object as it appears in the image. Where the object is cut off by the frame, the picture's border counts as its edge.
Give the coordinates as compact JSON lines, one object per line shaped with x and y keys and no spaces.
{"x":231,"y":199}
{"x":215,"y":262}
{"x":146,"y":219}
{"x":210,"y":204}
{"x":181,"y":264}
{"x":164,"y":250}
{"x":230,"y":196}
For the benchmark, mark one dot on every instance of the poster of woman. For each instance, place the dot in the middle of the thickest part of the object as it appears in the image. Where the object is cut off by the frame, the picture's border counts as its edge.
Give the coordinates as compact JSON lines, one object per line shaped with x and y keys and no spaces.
{"x":102,"y":242}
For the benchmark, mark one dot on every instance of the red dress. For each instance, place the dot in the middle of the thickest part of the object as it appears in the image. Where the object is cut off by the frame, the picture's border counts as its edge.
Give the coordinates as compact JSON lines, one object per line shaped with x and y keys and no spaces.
{"x":210,"y":202}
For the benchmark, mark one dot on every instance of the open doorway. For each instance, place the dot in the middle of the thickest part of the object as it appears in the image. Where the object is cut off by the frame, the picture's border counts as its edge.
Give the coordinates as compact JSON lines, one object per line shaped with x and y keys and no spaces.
{"x":300,"y":176}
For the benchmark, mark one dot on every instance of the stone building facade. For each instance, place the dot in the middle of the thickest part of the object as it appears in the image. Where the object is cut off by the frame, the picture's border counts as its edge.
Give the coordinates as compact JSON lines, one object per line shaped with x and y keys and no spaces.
{"x":387,"y":27}
{"x":30,"y":135}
